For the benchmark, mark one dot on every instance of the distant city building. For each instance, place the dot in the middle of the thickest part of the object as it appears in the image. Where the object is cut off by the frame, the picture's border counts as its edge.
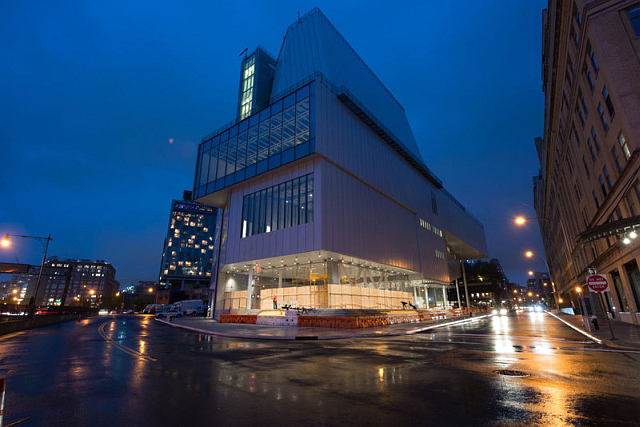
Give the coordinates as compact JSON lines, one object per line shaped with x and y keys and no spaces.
{"x":187,"y":257}
{"x":76,"y":282}
{"x":588,"y":187}
{"x":486,"y":282}
{"x":18,"y":289}
{"x":327,"y":200}
{"x":540,"y":283}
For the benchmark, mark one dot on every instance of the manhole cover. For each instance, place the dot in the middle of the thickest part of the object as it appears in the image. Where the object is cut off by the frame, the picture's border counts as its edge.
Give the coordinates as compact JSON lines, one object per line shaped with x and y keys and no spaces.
{"x":512,"y":373}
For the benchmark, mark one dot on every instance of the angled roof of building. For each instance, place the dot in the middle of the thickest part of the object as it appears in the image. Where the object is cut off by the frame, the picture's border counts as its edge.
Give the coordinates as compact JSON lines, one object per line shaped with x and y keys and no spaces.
{"x":313,"y":45}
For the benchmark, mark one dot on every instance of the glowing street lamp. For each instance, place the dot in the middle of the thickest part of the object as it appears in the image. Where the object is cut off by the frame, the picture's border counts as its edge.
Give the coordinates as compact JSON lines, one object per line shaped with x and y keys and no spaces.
{"x":530,"y":273}
{"x":150,"y":289}
{"x":528,"y":254}
{"x":578,"y":289}
{"x":5,"y":243}
{"x":520,"y":220}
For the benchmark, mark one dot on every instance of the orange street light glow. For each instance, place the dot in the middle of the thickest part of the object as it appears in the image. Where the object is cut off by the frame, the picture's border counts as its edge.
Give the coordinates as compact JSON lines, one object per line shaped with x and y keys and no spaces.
{"x":578,"y":289}
{"x":530,"y":293}
{"x":150,"y":289}
{"x":91,"y":292}
{"x":528,"y":254}
{"x":5,"y":241}
{"x":520,"y":220}
{"x":560,"y":300}
{"x":530,"y":273}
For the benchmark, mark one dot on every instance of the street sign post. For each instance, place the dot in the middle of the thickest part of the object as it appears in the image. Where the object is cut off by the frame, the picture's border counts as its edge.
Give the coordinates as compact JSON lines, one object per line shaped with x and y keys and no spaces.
{"x":597,"y":283}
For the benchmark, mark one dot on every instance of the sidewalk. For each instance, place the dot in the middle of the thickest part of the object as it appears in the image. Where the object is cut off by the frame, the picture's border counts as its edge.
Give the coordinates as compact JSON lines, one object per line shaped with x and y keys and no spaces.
{"x":234,"y":330}
{"x":627,"y":336}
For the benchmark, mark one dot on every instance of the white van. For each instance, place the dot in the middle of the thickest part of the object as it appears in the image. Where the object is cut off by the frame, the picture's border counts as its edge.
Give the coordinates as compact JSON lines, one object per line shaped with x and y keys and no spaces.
{"x":191,"y":307}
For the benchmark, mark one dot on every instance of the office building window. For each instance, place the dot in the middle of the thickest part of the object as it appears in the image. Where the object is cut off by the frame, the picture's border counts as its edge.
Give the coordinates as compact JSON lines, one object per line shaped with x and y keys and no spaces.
{"x":603,"y":119}
{"x":576,"y":14}
{"x":607,"y":101}
{"x":596,"y":141}
{"x":607,"y":179}
{"x":594,"y":61}
{"x":602,"y":187}
{"x":281,"y":206}
{"x":623,"y":144}
{"x":580,"y":115}
{"x":616,"y":159}
{"x":578,"y":192}
{"x":634,"y":17}
{"x":590,"y":79}
{"x":586,"y":167}
{"x":595,"y":198}
{"x":593,"y":155}
{"x":584,"y":103}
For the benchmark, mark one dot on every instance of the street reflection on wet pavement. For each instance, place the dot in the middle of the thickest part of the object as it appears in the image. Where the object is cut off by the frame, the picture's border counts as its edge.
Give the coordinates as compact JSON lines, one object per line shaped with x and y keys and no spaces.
{"x":520,"y":369}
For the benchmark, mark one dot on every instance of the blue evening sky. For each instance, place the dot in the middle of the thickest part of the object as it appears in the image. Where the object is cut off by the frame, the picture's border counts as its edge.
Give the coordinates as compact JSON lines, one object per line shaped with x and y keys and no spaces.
{"x":93,"y":91}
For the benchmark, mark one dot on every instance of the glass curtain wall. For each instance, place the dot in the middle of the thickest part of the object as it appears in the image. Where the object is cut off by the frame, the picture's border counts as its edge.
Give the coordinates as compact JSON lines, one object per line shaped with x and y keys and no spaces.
{"x":277,"y":135}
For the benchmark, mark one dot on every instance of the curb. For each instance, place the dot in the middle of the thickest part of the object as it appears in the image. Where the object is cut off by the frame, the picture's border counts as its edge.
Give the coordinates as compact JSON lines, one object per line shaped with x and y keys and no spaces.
{"x":600,"y":341}
{"x":318,"y":337}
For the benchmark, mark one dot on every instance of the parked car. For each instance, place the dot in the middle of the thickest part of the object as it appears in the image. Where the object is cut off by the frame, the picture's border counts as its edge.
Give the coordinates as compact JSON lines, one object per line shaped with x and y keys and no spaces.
{"x":153,"y":308}
{"x":191,"y":307}
{"x":169,"y":312}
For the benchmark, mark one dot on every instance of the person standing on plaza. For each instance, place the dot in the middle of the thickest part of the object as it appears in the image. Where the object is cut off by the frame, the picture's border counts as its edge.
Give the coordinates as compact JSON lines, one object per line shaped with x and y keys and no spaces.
{"x":275,"y":302}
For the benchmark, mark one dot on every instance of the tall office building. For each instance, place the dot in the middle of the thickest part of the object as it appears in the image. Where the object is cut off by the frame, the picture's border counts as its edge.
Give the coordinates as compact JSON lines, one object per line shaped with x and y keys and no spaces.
{"x":76,"y":282}
{"x":587,"y":191}
{"x":187,"y":255}
{"x":325,"y":198}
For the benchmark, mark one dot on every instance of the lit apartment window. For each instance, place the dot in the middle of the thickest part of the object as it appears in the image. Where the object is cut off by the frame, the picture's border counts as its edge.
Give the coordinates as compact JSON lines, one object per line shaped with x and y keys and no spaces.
{"x":616,"y":159}
{"x":634,"y":17}
{"x":594,"y":61}
{"x":590,"y":79}
{"x":603,"y":119}
{"x":605,"y":171}
{"x":593,"y":155}
{"x":623,"y":143}
{"x":586,"y":167}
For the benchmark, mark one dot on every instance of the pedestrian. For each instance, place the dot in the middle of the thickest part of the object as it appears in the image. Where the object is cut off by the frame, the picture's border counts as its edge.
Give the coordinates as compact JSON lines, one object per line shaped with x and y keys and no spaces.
{"x":275,"y":302}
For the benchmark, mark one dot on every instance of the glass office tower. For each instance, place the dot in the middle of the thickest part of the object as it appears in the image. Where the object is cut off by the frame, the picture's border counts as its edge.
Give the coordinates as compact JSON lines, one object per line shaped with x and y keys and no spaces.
{"x":325,"y":198}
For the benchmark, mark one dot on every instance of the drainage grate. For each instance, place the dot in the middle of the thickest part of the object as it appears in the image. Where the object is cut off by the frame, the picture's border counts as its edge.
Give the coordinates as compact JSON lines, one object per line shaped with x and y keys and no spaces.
{"x":512,"y":373}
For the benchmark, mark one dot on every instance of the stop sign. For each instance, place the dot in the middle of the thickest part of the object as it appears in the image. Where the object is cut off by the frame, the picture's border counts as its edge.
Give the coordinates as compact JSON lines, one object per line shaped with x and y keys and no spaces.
{"x":597,"y":283}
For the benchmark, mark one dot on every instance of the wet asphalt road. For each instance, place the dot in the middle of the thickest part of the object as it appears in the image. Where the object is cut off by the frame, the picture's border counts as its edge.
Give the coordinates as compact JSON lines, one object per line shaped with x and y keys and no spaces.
{"x":133,"y":371}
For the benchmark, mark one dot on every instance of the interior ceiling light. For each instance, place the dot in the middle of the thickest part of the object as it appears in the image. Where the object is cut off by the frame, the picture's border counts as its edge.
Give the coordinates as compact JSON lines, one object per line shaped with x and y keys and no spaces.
{"x":626,"y":240}
{"x":633,"y":235}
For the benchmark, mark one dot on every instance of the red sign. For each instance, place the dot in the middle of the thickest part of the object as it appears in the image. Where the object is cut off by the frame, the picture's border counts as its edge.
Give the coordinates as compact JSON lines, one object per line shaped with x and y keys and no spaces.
{"x":597,"y":283}
{"x":258,"y":268}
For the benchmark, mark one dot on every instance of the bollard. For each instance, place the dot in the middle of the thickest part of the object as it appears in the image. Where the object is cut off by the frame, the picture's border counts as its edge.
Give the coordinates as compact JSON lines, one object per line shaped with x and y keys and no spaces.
{"x":3,"y":386}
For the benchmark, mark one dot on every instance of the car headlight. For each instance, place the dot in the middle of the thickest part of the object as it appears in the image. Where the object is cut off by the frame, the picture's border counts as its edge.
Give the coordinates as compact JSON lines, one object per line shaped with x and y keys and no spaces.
{"x":538,"y":308}
{"x":503,"y":311}
{"x":494,"y":311}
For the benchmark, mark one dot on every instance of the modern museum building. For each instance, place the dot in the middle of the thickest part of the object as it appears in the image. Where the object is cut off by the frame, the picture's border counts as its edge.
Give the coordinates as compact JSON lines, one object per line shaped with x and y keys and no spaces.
{"x":325,"y":200}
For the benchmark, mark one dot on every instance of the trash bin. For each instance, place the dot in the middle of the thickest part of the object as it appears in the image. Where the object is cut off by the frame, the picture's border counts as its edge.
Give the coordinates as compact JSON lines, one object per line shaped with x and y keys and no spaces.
{"x":594,"y":322}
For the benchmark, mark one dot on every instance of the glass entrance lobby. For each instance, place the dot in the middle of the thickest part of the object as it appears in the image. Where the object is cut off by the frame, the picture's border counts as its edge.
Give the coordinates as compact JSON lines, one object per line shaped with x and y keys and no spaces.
{"x":324,"y":280}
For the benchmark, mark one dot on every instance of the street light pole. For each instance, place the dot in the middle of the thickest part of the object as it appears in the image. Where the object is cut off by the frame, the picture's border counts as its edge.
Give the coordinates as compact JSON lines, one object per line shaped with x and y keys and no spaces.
{"x":32,"y":304}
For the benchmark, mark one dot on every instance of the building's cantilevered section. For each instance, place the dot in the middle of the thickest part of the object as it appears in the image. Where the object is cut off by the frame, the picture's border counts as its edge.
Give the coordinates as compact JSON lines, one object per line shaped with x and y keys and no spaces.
{"x":327,"y":201}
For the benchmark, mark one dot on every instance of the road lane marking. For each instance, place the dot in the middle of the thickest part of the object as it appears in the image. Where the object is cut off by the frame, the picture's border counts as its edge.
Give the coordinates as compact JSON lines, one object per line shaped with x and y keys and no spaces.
{"x":126,"y":349}
{"x":442,"y":325}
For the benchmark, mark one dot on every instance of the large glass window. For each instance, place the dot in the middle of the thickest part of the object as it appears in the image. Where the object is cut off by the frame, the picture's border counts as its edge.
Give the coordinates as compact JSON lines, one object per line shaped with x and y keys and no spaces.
{"x":262,"y":142}
{"x":252,"y":145}
{"x":634,"y":17}
{"x":280,"y":206}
